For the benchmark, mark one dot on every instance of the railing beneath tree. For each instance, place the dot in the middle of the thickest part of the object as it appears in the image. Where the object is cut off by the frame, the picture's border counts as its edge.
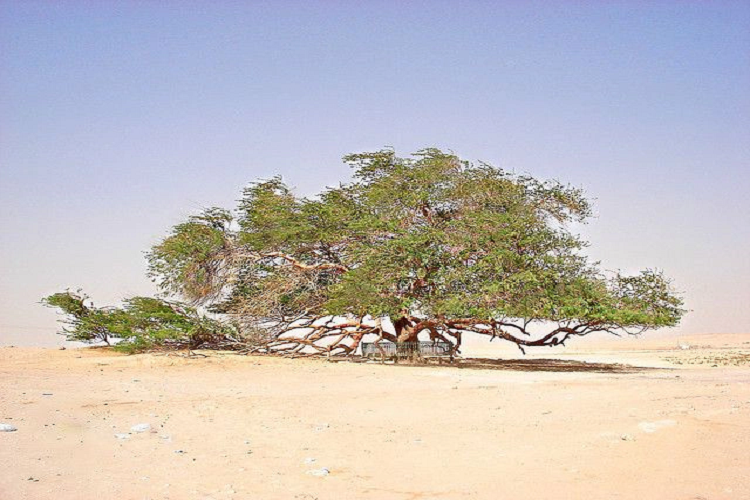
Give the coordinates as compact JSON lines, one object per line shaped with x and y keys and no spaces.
{"x":410,"y":350}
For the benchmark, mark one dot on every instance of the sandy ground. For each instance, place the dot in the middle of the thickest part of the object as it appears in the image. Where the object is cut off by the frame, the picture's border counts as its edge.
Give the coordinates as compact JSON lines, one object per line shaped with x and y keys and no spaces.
{"x":640,"y":419}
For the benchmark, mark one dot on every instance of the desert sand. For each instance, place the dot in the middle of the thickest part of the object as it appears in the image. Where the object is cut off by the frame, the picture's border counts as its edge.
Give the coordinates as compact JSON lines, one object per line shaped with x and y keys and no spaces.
{"x":653,"y":418}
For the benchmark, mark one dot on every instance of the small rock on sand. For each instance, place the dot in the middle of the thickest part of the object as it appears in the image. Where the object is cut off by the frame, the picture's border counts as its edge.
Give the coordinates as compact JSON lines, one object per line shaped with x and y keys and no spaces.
{"x":141,"y":428}
{"x":7,"y":428}
{"x":122,"y":436}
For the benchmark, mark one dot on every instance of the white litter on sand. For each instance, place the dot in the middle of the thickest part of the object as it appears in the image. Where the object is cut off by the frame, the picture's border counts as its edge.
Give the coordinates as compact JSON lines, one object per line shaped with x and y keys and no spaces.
{"x":319,"y":472}
{"x":655,"y":426}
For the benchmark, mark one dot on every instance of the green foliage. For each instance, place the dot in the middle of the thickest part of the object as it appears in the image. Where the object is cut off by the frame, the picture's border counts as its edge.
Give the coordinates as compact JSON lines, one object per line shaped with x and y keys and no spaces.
{"x":431,"y":235}
{"x":191,"y":259}
{"x":269,"y":216}
{"x":85,"y":323}
{"x":142,"y":323}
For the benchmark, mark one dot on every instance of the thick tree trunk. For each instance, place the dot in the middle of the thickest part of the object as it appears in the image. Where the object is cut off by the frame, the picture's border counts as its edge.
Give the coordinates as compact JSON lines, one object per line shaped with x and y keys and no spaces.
{"x":405,"y":331}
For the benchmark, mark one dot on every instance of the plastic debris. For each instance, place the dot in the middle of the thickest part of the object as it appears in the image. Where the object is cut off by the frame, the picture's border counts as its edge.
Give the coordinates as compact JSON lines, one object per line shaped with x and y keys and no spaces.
{"x":319,"y":472}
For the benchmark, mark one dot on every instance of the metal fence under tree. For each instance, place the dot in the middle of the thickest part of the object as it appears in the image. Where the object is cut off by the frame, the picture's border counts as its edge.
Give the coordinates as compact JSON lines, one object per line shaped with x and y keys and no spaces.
{"x":413,"y":350}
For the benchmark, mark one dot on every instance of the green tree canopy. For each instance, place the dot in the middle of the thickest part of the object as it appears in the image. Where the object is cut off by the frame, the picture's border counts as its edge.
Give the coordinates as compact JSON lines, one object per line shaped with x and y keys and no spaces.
{"x":431,"y":242}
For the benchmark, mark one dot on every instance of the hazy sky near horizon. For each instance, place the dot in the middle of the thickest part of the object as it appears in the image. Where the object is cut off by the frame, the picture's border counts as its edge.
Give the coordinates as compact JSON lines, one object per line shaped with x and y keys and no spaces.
{"x":119,"y":119}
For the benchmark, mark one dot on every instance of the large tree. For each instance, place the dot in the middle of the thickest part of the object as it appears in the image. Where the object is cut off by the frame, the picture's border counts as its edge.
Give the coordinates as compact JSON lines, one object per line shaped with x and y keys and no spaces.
{"x":429,"y":245}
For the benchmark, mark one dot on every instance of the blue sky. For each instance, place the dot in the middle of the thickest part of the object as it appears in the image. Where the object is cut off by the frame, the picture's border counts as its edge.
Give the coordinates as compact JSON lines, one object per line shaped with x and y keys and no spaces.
{"x":119,"y":119}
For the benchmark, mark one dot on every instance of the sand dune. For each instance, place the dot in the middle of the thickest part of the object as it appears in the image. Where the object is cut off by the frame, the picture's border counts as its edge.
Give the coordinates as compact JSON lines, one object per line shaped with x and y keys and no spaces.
{"x":642,"y":419}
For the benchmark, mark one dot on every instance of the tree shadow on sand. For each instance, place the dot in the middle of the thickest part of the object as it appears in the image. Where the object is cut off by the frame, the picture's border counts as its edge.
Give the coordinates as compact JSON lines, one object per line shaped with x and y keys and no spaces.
{"x":546,"y":365}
